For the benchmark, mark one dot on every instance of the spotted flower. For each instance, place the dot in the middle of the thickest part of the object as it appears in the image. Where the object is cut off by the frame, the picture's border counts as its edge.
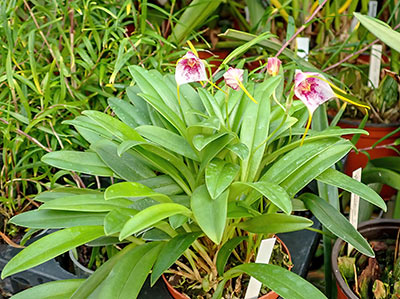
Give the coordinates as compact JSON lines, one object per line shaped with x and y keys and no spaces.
{"x":233,"y":77}
{"x":190,"y":68}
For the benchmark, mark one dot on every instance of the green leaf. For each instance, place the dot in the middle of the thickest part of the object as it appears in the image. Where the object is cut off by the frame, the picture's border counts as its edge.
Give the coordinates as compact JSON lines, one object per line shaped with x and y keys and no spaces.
{"x":116,"y":219}
{"x":114,"y":126}
{"x":171,"y":252}
{"x":124,"y":110}
{"x":62,"y":289}
{"x":56,"y":219}
{"x":275,"y":193}
{"x":380,"y":30}
{"x":275,"y":223}
{"x":392,"y":163}
{"x":127,"y":166}
{"x":51,"y":246}
{"x":64,"y":192}
{"x":255,"y":127}
{"x":225,"y":252}
{"x":340,"y":180}
{"x":169,"y":140}
{"x":239,"y":149}
{"x":381,"y":175}
{"x":213,"y":149}
{"x":90,"y":284}
{"x":133,"y":190}
{"x":336,"y":223}
{"x":219,"y":175}
{"x":86,"y":203}
{"x":209,"y":213}
{"x":283,"y":282}
{"x":150,"y":216}
{"x":129,"y":273}
{"x":201,"y":141}
{"x":71,"y":160}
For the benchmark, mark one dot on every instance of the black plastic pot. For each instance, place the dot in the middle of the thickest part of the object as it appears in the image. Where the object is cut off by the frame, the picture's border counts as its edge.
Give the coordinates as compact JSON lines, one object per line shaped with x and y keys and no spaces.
{"x":373,"y":229}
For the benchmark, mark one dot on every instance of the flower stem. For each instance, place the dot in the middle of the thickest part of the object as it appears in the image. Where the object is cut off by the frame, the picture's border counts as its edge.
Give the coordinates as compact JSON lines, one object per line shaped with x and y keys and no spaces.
{"x":307,"y":127}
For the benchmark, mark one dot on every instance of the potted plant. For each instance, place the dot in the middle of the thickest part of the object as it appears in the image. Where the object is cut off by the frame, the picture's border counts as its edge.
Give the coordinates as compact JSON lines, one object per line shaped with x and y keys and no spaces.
{"x":358,"y":276}
{"x":207,"y":173}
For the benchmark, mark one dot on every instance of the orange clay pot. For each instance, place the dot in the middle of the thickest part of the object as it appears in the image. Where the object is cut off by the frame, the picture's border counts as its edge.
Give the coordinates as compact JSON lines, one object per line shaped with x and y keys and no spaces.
{"x":376,"y":131}
{"x":271,"y":295}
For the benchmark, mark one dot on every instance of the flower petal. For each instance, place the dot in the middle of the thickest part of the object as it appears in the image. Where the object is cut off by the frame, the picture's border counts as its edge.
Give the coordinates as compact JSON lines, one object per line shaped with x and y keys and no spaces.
{"x":311,"y":90}
{"x":233,"y":77}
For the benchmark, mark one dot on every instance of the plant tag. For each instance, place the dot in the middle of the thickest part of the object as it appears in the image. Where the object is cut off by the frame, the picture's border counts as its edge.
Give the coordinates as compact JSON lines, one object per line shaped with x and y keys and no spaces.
{"x":263,"y":257}
{"x":354,"y":206}
{"x":372,"y":8}
{"x":303,"y":47}
{"x":375,"y":66}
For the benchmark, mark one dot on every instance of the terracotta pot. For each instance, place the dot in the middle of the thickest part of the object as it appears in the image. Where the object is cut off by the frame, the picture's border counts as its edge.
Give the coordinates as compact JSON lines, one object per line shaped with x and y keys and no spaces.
{"x":271,"y":295}
{"x":373,"y":229}
{"x":376,"y":131}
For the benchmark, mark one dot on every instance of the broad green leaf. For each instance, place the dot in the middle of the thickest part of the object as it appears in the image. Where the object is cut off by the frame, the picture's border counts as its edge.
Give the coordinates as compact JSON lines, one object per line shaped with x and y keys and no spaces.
{"x":129,"y":273}
{"x":169,"y":140}
{"x":380,"y":30}
{"x":210,"y":104}
{"x":209,"y":213}
{"x":127,"y":166}
{"x":340,"y":180}
{"x":57,"y":219}
{"x":283,"y":282}
{"x":275,"y":223}
{"x":381,"y":175}
{"x":162,"y":184}
{"x":114,"y":126}
{"x":275,"y":193}
{"x":64,"y":192}
{"x":336,"y":223}
{"x":255,"y":127}
{"x":392,"y":163}
{"x":239,"y":149}
{"x":116,"y":219}
{"x":237,"y":210}
{"x":128,"y":144}
{"x":219,"y":175}
{"x":86,"y":203}
{"x":51,"y":246}
{"x":62,"y":289}
{"x":295,"y":159}
{"x":225,"y":252}
{"x":133,"y":190}
{"x":171,"y":253}
{"x":309,"y":171}
{"x":213,"y":149}
{"x":150,"y":216}
{"x":125,"y":111}
{"x":71,"y":160}
{"x":90,"y":284}
{"x":201,"y":141}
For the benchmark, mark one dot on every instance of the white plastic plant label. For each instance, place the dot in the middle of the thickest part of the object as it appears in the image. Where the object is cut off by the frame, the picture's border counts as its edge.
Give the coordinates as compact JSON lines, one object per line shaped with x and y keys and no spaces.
{"x":303,"y":47}
{"x":375,"y":66}
{"x":263,"y":257}
{"x":372,"y":8}
{"x":354,"y":206}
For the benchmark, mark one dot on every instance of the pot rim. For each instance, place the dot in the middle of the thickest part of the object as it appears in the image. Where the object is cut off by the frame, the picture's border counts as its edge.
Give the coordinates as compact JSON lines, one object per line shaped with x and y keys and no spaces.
{"x":78,"y":264}
{"x":369,"y":124}
{"x":375,"y":224}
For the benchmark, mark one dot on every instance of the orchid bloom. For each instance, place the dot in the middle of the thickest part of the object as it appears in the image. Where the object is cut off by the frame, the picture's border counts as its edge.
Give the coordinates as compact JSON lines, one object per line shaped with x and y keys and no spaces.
{"x":234,"y":79}
{"x":190,"y":68}
{"x":313,"y":90}
{"x":273,"y":66}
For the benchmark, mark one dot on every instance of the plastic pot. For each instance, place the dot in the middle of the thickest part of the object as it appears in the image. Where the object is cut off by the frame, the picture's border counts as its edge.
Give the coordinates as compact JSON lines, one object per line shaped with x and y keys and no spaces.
{"x":80,"y":270}
{"x":376,"y":131}
{"x":271,"y":295}
{"x":372,"y":229}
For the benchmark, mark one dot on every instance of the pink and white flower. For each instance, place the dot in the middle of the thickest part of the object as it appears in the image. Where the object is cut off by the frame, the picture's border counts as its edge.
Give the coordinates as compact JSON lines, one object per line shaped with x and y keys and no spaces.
{"x":311,"y":90}
{"x":233,"y":78}
{"x":273,"y":66}
{"x":190,"y":68}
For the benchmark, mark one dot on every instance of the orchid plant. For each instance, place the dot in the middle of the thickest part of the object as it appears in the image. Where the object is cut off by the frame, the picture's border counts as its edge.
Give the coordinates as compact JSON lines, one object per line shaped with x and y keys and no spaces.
{"x":202,"y":176}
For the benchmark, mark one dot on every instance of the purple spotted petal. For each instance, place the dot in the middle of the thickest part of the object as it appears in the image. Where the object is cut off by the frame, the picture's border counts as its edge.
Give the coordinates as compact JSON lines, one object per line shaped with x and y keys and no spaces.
{"x":232,"y":77}
{"x":312,"y":91}
{"x":190,"y":68}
